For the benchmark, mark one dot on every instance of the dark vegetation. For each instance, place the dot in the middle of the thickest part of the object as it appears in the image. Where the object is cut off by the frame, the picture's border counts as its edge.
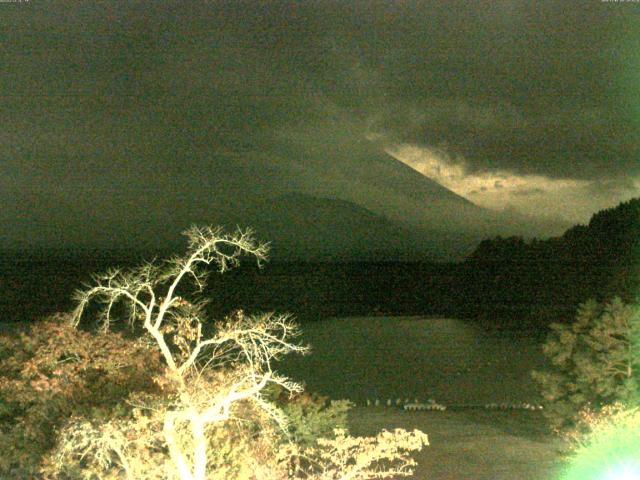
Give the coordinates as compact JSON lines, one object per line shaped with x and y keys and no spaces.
{"x":545,"y":280}
{"x":593,"y":362}
{"x":505,"y":282}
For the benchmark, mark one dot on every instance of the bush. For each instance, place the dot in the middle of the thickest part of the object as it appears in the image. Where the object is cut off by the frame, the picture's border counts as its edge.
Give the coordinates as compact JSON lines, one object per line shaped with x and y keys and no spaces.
{"x":311,"y":416}
{"x":595,"y":361}
{"x":54,"y":371}
{"x":345,"y":457}
{"x":206,"y":413}
{"x":133,"y":446}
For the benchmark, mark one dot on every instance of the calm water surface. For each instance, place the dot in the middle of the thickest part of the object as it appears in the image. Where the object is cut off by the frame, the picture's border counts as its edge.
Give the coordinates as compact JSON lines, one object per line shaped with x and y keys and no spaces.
{"x":407,"y":357}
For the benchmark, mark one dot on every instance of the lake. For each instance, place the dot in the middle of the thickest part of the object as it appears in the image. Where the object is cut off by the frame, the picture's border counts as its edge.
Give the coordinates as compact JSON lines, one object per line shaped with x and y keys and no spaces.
{"x":448,"y":360}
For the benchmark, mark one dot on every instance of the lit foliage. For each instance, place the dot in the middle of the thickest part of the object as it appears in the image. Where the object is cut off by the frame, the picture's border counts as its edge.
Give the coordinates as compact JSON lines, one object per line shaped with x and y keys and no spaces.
{"x":53,"y":371}
{"x":605,"y":445}
{"x":345,"y":457}
{"x":595,"y":361}
{"x":310,"y":416}
{"x":207,"y":415}
{"x":135,"y":447}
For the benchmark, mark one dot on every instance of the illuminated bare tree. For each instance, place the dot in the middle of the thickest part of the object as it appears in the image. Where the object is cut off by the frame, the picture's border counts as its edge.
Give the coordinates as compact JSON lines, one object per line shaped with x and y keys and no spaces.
{"x":207,"y":379}
{"x":248,"y":344}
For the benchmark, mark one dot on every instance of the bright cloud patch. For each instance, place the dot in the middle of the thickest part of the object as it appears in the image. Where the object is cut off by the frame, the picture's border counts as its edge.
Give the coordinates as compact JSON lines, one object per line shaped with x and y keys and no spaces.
{"x":538,"y":195}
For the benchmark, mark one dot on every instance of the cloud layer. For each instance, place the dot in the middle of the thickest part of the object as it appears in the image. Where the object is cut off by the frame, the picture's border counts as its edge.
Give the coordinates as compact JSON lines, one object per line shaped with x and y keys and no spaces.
{"x":568,"y":199}
{"x":510,"y":104}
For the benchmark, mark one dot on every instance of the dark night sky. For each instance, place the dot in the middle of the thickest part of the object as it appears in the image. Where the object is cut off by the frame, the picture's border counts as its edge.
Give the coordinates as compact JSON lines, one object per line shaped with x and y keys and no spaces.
{"x":117,"y":113}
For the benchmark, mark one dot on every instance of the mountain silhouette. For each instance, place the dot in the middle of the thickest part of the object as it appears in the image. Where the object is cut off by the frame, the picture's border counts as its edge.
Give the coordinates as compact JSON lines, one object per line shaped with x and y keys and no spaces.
{"x":304,"y":227}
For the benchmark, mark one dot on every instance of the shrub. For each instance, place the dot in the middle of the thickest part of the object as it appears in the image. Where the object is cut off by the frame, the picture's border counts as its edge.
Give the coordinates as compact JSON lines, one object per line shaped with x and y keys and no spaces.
{"x":311,"y":416}
{"x":345,"y":457}
{"x":309,"y":421}
{"x":53,"y":371}
{"x":594,"y":361}
{"x":134,"y":446}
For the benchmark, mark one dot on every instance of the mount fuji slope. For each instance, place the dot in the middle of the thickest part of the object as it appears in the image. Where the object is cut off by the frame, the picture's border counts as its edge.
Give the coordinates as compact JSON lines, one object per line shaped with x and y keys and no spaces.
{"x":347,"y":198}
{"x":303,"y":227}
{"x":361,"y":172}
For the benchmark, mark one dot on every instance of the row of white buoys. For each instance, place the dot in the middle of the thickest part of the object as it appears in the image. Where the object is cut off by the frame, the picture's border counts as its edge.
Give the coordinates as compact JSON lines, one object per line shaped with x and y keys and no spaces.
{"x":431,"y":404}
{"x":398,"y":402}
{"x":512,"y":406}
{"x":407,"y":404}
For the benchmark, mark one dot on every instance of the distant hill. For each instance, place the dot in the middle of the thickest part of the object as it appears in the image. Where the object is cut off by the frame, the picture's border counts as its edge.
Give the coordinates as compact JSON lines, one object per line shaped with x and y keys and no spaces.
{"x":394,"y":209}
{"x":244,"y":185}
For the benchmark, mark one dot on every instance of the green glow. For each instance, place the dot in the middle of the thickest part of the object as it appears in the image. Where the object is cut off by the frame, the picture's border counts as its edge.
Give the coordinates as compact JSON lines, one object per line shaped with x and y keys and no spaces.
{"x":624,"y":471}
{"x":613,"y":452}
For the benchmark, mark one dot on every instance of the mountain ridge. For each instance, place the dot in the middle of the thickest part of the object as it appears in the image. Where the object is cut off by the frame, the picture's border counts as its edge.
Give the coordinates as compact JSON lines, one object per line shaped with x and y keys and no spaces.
{"x":305,"y":227}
